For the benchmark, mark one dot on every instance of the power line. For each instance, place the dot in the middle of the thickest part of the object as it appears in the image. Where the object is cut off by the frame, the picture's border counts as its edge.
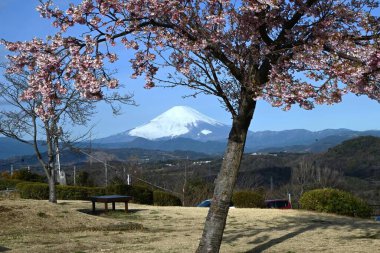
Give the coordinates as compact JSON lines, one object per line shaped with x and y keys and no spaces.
{"x":110,"y":166}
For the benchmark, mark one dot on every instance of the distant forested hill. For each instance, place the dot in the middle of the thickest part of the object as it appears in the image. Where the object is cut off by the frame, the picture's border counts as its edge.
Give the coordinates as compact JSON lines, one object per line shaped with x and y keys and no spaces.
{"x":359,"y":157}
{"x":11,"y":148}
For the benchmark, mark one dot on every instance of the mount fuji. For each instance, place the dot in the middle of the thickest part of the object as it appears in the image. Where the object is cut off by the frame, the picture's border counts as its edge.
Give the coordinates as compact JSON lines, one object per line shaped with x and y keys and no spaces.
{"x":177,"y":122}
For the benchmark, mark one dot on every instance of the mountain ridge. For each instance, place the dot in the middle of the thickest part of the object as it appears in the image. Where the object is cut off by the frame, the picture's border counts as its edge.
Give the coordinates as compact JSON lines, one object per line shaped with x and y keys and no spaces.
{"x":184,"y":128}
{"x":276,"y":141}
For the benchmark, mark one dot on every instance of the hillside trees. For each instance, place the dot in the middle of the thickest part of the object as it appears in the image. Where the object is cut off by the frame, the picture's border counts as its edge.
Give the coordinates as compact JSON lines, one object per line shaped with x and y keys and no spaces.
{"x":285,"y":52}
{"x":307,"y":175}
{"x":358,"y":157}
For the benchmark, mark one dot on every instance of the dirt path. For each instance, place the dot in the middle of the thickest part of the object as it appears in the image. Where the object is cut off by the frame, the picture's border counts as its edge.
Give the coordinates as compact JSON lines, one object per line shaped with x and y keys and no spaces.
{"x":38,"y":226}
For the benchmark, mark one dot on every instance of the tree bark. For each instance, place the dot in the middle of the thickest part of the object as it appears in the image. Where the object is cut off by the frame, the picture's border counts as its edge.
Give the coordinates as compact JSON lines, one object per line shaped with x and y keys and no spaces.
{"x":225,"y":182}
{"x":52,"y":191}
{"x":50,"y":131}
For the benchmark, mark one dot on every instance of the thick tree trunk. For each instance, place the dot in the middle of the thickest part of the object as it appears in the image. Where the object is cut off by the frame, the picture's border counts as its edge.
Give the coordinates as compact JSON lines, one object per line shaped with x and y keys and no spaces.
{"x":225,"y":182}
{"x":52,"y":188}
{"x":50,"y":136}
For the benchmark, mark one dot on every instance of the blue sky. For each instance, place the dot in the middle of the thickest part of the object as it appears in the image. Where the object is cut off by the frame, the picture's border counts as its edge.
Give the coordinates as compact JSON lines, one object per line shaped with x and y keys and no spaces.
{"x":20,"y":21}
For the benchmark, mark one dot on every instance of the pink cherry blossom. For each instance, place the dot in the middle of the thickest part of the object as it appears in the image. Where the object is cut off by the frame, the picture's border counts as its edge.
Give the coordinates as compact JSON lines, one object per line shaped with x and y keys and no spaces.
{"x":198,"y":28}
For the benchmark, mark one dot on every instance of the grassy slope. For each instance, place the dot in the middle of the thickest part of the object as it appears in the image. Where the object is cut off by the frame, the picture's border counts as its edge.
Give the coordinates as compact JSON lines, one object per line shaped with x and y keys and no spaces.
{"x":37,"y":226}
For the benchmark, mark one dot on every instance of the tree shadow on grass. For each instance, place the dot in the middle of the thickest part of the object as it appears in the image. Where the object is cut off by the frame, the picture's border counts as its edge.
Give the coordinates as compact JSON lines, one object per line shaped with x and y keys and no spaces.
{"x":103,"y":212}
{"x":129,"y":219}
{"x":292,"y":227}
{"x":3,"y":249}
{"x":272,"y":242}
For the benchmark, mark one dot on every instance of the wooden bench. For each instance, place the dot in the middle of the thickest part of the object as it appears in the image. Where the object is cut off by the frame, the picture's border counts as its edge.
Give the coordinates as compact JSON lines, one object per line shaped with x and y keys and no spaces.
{"x":110,"y":199}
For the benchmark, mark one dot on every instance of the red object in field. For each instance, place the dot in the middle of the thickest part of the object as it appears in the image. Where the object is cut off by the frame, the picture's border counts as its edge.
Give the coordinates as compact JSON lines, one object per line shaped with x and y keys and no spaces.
{"x":278,"y":203}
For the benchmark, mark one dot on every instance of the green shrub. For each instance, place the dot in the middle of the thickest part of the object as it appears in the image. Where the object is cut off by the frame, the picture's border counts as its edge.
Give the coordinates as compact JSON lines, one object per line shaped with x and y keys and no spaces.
{"x":248,"y":199}
{"x":119,"y":189}
{"x":95,"y":191}
{"x":8,"y":183}
{"x":33,"y":190}
{"x":71,"y":192}
{"x":161,"y":198}
{"x":78,"y":192}
{"x":142,"y":195}
{"x":41,"y":191}
{"x":335,"y":201}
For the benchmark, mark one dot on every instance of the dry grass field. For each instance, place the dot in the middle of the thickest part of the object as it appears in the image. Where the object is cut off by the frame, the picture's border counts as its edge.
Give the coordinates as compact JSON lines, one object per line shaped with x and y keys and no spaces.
{"x":38,"y":226}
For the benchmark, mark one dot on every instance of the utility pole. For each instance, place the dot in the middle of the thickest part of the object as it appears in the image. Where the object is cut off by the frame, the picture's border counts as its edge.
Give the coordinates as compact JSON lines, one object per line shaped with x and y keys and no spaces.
{"x":59,"y":177}
{"x":58,"y":162}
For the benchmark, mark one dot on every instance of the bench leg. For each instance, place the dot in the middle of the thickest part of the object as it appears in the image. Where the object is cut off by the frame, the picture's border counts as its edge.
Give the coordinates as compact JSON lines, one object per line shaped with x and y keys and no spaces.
{"x":113,"y":206}
{"x":106,"y":206}
{"x":93,"y":206}
{"x":126,"y":206}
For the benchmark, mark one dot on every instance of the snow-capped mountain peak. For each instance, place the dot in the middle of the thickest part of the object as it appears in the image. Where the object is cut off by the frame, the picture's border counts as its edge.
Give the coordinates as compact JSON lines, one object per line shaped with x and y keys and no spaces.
{"x":177,"y":121}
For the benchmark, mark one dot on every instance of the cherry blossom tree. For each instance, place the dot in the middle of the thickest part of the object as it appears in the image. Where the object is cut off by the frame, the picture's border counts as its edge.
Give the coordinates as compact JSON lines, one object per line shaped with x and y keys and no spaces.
{"x":286,"y":52}
{"x":21,"y":119}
